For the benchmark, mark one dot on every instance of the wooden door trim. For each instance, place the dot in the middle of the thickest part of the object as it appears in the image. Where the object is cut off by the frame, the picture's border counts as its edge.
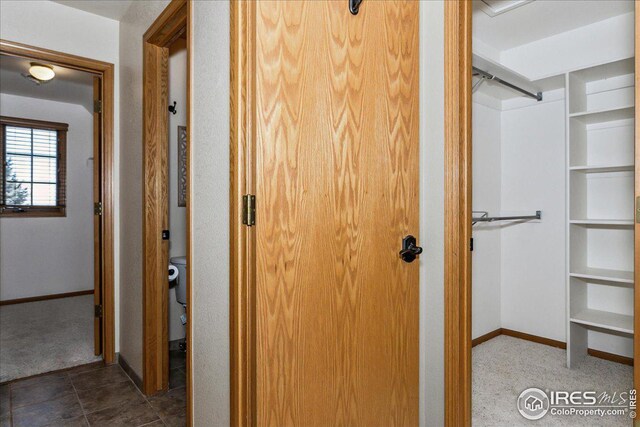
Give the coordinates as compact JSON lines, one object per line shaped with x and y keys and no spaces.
{"x":106,"y":71}
{"x":242,"y":319}
{"x":174,"y":22}
{"x":457,"y":257}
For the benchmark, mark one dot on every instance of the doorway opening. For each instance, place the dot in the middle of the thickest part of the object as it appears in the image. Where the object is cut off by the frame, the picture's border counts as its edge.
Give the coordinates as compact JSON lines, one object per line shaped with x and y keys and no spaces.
{"x":166,"y":226}
{"x":57,"y":207}
{"x":540,"y":271}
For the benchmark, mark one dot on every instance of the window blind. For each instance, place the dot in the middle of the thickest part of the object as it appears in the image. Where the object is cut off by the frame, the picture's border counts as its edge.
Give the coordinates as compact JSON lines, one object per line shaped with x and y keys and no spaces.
{"x":33,"y":169}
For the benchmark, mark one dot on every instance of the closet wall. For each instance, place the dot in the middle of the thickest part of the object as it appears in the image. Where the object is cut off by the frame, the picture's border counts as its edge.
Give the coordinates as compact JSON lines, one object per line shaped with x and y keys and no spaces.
{"x":487,"y":237}
{"x":519,"y":168}
{"x":533,"y":253}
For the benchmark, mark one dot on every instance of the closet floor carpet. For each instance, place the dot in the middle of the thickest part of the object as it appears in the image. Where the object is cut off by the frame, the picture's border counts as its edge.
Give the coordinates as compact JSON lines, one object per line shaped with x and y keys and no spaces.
{"x":45,"y":336}
{"x":504,"y":366}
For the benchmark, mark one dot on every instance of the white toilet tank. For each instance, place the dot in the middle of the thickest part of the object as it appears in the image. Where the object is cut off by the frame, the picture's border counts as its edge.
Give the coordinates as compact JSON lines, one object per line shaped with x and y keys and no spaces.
{"x":181,"y":288}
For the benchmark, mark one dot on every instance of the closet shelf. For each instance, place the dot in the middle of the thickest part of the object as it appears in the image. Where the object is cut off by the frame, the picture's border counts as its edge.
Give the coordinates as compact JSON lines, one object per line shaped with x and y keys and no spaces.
{"x":602,"y":168}
{"x":603,"y":222}
{"x":604,"y":115}
{"x":603,"y":274}
{"x":605,"y":320}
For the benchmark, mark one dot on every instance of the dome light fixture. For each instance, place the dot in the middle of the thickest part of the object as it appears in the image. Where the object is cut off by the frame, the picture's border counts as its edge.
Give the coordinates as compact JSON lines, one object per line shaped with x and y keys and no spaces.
{"x":40,"y":72}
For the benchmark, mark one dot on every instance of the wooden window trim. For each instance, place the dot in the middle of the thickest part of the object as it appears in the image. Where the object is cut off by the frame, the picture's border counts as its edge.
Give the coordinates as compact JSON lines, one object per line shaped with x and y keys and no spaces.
{"x":38,"y":211}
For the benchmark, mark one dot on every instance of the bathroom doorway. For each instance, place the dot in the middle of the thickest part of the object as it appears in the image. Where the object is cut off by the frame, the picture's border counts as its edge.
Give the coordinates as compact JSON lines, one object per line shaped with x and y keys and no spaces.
{"x":166,"y":214}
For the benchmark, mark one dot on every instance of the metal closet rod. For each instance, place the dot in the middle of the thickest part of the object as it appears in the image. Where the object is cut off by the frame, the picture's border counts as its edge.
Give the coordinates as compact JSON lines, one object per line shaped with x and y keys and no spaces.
{"x":486,"y":218}
{"x":489,"y":76}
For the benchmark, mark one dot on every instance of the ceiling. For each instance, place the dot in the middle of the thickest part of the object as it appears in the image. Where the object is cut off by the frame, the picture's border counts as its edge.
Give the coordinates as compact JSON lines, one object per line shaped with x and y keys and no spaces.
{"x":68,"y":85}
{"x":541,"y":19}
{"x":113,"y":9}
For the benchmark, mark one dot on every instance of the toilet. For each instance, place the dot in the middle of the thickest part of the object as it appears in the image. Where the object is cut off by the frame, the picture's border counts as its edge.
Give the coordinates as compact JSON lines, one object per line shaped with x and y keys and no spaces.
{"x":180,"y":262}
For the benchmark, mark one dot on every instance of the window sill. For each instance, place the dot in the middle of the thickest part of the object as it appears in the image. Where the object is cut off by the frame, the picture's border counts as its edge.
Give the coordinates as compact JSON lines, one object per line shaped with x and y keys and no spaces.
{"x":34,"y":213}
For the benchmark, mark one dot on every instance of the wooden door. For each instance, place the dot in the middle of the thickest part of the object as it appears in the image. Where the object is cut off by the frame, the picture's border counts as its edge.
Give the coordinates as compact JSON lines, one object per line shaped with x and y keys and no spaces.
{"x":336,"y":183}
{"x":97,"y":217}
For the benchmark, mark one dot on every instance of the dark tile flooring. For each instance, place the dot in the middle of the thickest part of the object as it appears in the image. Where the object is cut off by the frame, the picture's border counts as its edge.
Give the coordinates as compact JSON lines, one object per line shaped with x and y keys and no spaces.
{"x":93,"y":395}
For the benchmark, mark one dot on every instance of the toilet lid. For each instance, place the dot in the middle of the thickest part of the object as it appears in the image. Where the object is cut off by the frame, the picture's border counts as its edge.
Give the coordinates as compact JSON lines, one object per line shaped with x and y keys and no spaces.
{"x":179,"y":260}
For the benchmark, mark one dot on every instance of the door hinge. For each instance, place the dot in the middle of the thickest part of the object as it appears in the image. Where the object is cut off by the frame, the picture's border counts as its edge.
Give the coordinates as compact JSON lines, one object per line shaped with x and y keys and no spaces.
{"x":471,"y":245}
{"x":97,"y":208}
{"x":97,"y":106}
{"x":97,"y":310}
{"x":638,"y":209}
{"x":249,"y":210}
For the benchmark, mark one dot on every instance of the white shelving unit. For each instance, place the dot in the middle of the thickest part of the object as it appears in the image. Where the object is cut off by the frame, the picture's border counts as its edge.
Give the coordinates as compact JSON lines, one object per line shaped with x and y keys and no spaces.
{"x":600,"y":206}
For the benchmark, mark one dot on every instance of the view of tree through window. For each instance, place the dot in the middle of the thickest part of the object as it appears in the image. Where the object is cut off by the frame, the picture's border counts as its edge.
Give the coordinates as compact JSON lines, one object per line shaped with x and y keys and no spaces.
{"x":34,"y":166}
{"x":15,"y":193}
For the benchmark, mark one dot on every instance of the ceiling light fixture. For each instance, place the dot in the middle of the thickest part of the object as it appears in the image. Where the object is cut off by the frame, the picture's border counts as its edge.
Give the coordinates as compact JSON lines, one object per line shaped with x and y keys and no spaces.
{"x":494,"y":8}
{"x":43,"y":73}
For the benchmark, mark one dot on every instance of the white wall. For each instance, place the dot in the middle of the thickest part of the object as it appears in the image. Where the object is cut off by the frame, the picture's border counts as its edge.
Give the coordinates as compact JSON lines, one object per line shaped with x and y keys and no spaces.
{"x":177,"y":214}
{"x":44,"y":256}
{"x":533,"y":253}
{"x":432,"y":213}
{"x":486,"y":259}
{"x":138,"y":18}
{"x":210,"y":212}
{"x":79,"y":33}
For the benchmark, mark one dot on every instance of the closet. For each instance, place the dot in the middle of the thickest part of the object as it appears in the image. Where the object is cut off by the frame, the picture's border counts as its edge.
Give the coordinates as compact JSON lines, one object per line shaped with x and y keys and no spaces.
{"x":553,"y":200}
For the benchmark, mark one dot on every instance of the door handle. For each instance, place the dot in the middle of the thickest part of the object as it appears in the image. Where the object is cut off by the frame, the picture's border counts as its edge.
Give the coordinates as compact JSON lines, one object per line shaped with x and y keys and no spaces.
{"x":410,"y":250}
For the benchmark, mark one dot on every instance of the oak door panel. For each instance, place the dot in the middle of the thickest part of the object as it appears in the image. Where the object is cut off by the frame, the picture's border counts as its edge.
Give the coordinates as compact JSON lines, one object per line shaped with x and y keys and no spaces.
{"x":336,"y":182}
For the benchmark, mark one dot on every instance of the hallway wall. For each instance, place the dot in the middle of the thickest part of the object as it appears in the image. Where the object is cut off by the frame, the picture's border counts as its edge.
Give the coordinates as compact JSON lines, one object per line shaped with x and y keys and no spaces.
{"x":132,"y":27}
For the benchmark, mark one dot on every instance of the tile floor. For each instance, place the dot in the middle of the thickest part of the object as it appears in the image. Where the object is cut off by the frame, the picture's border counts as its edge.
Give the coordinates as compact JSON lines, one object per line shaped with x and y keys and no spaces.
{"x":92,"y":395}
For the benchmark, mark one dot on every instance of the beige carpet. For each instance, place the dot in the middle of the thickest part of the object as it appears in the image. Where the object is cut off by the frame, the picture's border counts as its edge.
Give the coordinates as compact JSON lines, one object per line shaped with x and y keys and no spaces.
{"x":44,"y":336}
{"x":504,"y":366}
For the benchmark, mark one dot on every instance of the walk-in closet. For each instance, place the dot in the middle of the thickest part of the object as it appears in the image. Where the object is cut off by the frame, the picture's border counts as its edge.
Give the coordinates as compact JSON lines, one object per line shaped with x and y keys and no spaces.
{"x":553,"y":200}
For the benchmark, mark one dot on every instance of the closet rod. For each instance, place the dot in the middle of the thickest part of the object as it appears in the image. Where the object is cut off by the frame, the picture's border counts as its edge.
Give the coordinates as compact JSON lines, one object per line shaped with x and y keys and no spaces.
{"x":489,"y":76}
{"x":486,"y":218}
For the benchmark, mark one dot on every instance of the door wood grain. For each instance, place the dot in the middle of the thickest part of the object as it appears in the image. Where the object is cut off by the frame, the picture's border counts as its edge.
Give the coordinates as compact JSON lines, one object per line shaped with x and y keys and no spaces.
{"x":335,"y":169}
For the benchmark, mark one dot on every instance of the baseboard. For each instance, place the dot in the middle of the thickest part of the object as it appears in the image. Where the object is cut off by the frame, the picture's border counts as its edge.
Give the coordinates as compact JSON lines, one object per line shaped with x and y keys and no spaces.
{"x":46,"y":297}
{"x":486,"y":337}
{"x":610,"y":356}
{"x":129,"y":371}
{"x":534,"y":338}
{"x":553,"y":343}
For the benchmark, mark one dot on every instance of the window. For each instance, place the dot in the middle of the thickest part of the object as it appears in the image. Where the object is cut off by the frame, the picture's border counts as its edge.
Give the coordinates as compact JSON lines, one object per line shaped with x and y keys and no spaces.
{"x":33,"y":176}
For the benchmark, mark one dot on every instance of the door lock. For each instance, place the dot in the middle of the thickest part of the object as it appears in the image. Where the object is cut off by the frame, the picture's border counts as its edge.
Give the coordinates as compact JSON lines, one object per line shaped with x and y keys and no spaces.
{"x":410,"y":250}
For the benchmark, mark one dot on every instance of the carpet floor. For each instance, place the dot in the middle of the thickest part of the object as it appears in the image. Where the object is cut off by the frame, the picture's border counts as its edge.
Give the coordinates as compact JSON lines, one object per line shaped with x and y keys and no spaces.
{"x":44,"y":336}
{"x":504,"y":366}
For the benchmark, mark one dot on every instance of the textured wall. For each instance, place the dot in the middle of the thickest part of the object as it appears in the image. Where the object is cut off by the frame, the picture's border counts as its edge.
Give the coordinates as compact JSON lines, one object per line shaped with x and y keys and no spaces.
{"x":135,"y":22}
{"x":210,"y":180}
{"x":432,"y":213}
